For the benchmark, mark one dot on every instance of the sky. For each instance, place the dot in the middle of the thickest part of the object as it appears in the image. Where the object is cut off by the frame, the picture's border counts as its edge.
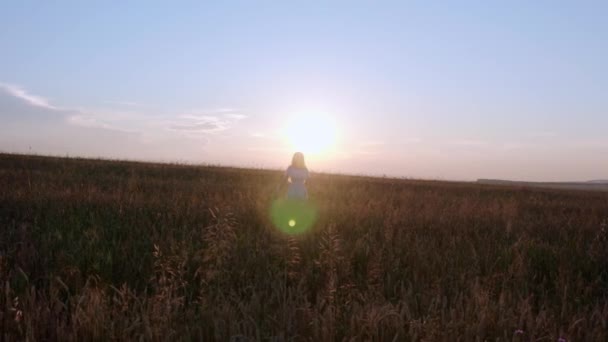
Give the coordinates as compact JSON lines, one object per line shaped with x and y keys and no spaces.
{"x":436,"y":90}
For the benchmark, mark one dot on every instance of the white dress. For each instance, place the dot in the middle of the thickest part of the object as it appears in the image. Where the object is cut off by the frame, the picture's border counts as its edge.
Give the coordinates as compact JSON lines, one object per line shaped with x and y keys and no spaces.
{"x":297,"y":178}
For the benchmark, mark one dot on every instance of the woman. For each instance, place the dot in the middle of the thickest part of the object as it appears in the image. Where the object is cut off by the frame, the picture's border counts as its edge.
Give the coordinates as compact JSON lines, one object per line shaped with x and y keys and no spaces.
{"x":296,"y":175}
{"x":294,"y":215}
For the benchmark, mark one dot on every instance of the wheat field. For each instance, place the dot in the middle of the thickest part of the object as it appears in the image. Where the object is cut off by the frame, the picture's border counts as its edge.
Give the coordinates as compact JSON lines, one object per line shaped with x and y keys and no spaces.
{"x":115,"y":250}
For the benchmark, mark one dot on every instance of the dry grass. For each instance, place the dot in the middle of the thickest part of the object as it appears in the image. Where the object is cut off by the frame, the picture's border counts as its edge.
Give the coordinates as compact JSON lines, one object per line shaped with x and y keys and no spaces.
{"x":98,"y":250}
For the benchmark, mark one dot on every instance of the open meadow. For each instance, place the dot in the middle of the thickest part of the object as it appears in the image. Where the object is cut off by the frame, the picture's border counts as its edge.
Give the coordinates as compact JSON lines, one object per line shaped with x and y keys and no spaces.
{"x":101,"y":250}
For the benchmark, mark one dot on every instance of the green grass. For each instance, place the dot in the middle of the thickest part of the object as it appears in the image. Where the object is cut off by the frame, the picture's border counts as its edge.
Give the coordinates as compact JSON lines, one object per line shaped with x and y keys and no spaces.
{"x":95,"y":249}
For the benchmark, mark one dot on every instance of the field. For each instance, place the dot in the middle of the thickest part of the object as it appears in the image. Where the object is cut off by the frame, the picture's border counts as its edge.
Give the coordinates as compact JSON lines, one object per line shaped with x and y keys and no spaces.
{"x":100,"y":250}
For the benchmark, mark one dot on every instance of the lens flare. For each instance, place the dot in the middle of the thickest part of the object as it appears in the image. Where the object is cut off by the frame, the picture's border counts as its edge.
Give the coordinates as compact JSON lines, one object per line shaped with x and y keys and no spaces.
{"x":293,"y":217}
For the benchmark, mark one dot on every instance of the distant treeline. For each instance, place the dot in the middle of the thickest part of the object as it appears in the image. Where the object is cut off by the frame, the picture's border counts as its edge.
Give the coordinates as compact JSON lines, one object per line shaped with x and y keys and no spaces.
{"x":596,"y":185}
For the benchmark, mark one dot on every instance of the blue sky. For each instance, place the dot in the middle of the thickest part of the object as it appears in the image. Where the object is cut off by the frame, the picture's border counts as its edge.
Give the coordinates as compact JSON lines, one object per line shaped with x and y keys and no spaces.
{"x":451,"y":90}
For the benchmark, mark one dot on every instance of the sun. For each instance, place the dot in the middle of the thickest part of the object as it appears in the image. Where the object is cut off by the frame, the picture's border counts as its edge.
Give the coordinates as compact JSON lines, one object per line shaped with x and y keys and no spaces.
{"x":311,"y":132}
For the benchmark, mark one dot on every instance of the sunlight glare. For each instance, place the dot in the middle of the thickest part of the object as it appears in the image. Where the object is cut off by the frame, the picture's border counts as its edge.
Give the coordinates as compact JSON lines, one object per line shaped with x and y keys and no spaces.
{"x":311,"y":132}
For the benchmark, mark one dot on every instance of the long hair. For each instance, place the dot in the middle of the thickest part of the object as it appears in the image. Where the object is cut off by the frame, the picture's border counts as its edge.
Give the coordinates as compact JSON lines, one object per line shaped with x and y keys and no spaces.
{"x":298,"y":160}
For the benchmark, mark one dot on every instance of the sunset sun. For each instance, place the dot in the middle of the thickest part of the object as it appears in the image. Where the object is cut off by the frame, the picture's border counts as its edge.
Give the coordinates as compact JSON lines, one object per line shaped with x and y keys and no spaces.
{"x":311,"y":132}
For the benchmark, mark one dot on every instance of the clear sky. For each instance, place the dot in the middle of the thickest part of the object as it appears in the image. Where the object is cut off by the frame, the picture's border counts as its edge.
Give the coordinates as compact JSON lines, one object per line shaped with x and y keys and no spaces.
{"x":450,"y":90}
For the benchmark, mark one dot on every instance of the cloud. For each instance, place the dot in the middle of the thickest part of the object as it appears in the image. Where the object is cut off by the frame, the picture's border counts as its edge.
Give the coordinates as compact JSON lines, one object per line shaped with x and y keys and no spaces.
{"x":270,"y":135}
{"x":206,"y":127}
{"x":201,"y":124}
{"x":33,"y":100}
{"x":204,"y":123}
{"x":223,"y":110}
{"x":93,"y":122}
{"x":196,"y":125}
{"x":257,"y":135}
{"x":126,"y":103}
{"x":83,"y":117}
{"x":85,"y":121}
{"x":236,"y":116}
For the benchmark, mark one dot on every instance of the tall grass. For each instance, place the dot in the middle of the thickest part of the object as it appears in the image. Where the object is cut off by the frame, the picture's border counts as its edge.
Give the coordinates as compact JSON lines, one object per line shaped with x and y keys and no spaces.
{"x":98,"y":250}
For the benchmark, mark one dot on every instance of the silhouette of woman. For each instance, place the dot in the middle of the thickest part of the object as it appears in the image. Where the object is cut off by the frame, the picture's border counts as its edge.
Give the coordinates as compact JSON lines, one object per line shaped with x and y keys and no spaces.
{"x":294,"y":214}
{"x":297,"y":174}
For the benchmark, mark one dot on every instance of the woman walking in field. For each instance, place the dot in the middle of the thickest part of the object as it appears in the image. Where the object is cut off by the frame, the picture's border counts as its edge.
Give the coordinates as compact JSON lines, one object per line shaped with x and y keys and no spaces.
{"x":294,"y":214}
{"x":296,"y":175}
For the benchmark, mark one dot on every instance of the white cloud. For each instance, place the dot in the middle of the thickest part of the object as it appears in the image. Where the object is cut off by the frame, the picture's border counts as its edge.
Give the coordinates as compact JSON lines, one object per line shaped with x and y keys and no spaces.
{"x":93,"y":122}
{"x":196,"y":125}
{"x":223,"y":110}
{"x":126,"y":103}
{"x":85,"y":121}
{"x":83,"y":117}
{"x":204,"y":123}
{"x":200,"y":124}
{"x":33,"y":100}
{"x":236,"y":116}
{"x":266,"y":135}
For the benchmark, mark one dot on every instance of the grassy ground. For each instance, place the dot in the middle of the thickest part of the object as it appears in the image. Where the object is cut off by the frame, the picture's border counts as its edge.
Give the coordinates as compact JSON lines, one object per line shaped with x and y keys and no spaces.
{"x":101,"y":250}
